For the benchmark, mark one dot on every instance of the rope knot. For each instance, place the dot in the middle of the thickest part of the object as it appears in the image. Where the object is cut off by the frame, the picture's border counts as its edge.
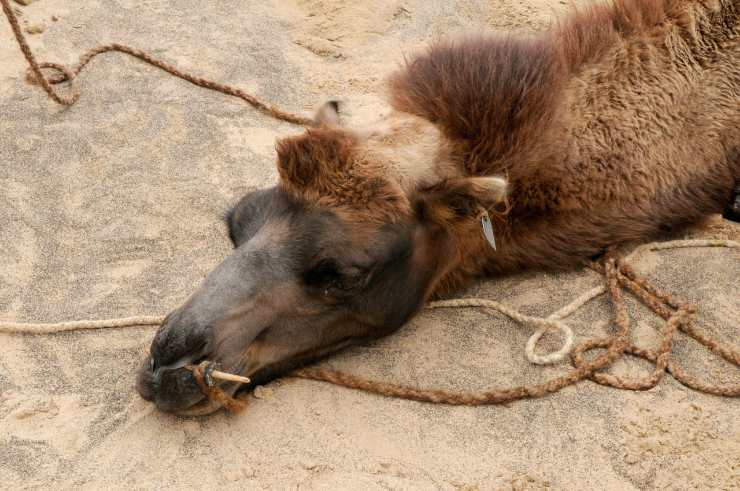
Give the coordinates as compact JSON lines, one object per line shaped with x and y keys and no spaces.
{"x":203,"y":375}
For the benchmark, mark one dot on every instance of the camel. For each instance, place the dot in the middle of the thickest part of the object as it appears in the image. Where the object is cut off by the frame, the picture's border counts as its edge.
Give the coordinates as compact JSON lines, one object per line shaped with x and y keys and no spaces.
{"x":502,"y":152}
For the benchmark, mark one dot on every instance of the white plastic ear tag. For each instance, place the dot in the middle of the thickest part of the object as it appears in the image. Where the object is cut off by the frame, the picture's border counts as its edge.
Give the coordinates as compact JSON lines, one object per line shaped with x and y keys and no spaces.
{"x":487,"y":226}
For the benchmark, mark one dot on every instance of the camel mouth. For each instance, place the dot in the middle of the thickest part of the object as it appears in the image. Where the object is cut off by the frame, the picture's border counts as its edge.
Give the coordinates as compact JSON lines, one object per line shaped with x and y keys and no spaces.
{"x":176,"y":391}
{"x":207,"y":404}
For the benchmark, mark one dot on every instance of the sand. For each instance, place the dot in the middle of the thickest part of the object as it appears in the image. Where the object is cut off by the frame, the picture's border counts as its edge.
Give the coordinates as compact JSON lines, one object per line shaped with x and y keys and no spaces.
{"x":111,"y":208}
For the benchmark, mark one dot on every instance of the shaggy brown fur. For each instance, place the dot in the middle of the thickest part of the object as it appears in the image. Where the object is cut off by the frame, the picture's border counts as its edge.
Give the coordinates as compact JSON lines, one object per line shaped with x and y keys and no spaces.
{"x":320,"y":167}
{"x":620,"y":123}
{"x":616,"y":125}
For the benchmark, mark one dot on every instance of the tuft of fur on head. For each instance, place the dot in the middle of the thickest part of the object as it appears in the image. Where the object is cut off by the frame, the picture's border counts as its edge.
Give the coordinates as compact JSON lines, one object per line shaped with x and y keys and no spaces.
{"x":322,"y":167}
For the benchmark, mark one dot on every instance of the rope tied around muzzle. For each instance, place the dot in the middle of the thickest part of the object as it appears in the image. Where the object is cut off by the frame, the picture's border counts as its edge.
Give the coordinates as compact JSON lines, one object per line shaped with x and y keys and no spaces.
{"x":204,"y":373}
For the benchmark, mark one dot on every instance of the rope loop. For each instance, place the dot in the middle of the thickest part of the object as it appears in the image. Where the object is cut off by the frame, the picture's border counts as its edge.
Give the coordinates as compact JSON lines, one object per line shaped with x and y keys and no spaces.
{"x":59,"y":73}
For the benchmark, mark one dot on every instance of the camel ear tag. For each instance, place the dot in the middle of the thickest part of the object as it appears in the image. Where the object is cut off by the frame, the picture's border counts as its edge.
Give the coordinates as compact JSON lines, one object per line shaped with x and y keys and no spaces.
{"x":485,"y":222}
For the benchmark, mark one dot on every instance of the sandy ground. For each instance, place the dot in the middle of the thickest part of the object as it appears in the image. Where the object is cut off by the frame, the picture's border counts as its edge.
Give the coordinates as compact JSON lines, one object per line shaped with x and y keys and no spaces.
{"x":111,"y":208}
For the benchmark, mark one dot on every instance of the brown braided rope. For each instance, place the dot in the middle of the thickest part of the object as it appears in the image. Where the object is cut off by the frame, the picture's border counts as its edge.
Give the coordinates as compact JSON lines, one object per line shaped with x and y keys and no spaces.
{"x":661,"y":303}
{"x":659,"y":359}
{"x":67,"y":74}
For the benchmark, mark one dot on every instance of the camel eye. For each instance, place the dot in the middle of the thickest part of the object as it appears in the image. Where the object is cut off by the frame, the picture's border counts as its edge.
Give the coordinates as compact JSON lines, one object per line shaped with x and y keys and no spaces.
{"x":323,"y":274}
{"x":332,"y":278}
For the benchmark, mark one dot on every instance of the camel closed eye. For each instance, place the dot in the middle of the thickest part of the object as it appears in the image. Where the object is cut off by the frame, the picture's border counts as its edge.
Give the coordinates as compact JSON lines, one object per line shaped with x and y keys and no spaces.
{"x":332,"y":279}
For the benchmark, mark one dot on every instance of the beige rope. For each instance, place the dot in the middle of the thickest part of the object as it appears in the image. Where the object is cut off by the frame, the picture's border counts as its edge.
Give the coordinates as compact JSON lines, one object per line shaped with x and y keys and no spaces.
{"x":212,"y":391}
{"x":553,"y":322}
{"x":543,"y":324}
{"x":57,"y":327}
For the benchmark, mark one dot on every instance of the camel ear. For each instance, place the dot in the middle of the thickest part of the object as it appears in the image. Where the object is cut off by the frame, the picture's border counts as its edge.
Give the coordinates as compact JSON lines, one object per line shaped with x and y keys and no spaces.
{"x":461,"y":197}
{"x":328,"y":113}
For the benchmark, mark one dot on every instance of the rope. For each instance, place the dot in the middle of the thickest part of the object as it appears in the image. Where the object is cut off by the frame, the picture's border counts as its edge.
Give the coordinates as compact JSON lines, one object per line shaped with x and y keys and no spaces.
{"x":543,"y":325}
{"x":67,"y":74}
{"x":214,"y":392}
{"x":57,"y":327}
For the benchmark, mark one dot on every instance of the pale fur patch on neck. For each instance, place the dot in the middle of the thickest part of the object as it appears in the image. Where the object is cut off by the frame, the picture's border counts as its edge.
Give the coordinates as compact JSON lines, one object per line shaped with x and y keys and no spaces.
{"x":409,"y":150}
